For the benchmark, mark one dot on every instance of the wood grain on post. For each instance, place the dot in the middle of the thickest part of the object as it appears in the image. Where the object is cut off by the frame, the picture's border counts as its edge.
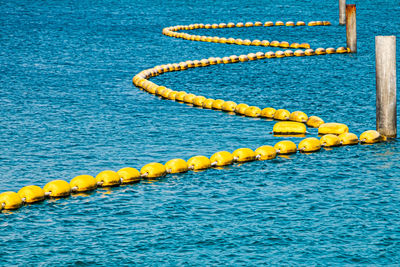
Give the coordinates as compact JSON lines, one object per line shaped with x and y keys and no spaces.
{"x":385,"y":57}
{"x":351,"y":28}
{"x":342,"y":12}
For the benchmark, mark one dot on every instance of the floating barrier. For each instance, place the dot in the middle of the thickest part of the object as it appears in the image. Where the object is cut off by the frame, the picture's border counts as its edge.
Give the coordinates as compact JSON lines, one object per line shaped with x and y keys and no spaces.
{"x":333,"y":134}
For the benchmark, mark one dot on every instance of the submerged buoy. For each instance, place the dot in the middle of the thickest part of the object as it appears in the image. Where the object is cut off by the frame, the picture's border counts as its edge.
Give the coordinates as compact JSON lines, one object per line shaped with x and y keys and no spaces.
{"x":10,"y":201}
{"x":83,"y":183}
{"x":221,"y":158}
{"x":31,"y":194}
{"x":129,"y":175}
{"x":176,"y":166}
{"x":285,"y":147}
{"x":265,"y":152}
{"x":57,"y":188}
{"x":198,"y":163}
{"x":310,"y":144}
{"x":243,"y":155}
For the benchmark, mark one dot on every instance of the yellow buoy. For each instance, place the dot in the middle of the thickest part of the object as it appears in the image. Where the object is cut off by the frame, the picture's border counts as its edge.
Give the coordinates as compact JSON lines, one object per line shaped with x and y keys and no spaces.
{"x":310,"y":144}
{"x":252,"y":111}
{"x":208,"y":103}
{"x":320,"y":51}
{"x":330,"y":50}
{"x":252,"y":56}
{"x":229,"y":106}
{"x":221,"y":158}
{"x":180,"y":95}
{"x":312,"y":23}
{"x":57,"y":188}
{"x":234,"y":58}
{"x":176,"y":166}
{"x":282,"y":115}
{"x":108,"y":178}
{"x":370,"y":137}
{"x":10,"y":201}
{"x":314,"y":122}
{"x":341,"y":50}
{"x":265,"y":152}
{"x":274,"y":43}
{"x":217,"y":104}
{"x":333,"y":128}
{"x":299,"y":53}
{"x":256,"y":42}
{"x":159,"y":90}
{"x":258,"y":23}
{"x":285,"y":147}
{"x":289,"y":23}
{"x":289,"y":53}
{"x":298,"y":116}
{"x":279,"y":23}
{"x":31,"y":194}
{"x":153,"y":170}
{"x":198,"y":163}
{"x":270,"y":54}
{"x":265,"y":43}
{"x":226,"y":60}
{"x":309,"y":52}
{"x":260,"y":55}
{"x":268,"y":24}
{"x":289,"y":127}
{"x":129,"y":175}
{"x":241,"y":108}
{"x":188,"y":98}
{"x":239,"y":24}
{"x":279,"y":54}
{"x":329,"y":140}
{"x":268,"y":113}
{"x":284,"y":44}
{"x":83,"y":183}
{"x":300,"y":23}
{"x":243,"y":155}
{"x":249,"y":24}
{"x":348,"y":139}
{"x":171,"y":95}
{"x":166,"y":93}
{"x":198,"y":100}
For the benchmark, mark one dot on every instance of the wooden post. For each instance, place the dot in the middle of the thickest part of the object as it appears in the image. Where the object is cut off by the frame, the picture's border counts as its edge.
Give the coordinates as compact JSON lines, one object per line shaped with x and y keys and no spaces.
{"x":342,"y":12}
{"x":385,"y":57}
{"x":351,"y":28}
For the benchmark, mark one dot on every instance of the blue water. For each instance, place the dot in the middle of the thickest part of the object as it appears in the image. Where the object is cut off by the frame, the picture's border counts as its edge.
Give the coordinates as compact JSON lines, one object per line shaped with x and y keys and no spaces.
{"x":68,"y":107}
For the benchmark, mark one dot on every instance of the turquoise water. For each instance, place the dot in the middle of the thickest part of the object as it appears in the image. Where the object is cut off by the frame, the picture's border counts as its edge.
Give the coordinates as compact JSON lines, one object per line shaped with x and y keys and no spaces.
{"x":68,"y":107}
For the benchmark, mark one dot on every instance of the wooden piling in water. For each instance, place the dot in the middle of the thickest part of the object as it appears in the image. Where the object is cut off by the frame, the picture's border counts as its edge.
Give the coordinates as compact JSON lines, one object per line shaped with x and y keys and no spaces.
{"x":342,"y":12}
{"x":385,"y":57}
{"x":351,"y":28}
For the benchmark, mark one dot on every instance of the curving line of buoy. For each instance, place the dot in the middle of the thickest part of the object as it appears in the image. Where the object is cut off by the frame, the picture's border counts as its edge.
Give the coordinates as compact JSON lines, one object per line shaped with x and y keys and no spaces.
{"x":289,"y":123}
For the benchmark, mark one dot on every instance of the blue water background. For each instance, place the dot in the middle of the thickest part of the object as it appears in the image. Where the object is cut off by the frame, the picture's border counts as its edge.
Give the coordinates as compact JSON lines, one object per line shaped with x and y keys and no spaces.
{"x":68,"y":108}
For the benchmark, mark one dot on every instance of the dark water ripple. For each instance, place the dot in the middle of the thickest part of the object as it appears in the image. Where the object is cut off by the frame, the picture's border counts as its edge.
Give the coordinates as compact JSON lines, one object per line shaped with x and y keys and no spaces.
{"x":68,"y":108}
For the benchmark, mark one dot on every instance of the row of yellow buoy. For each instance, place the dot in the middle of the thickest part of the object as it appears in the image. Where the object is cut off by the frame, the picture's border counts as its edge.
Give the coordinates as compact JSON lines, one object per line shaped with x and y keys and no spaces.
{"x":333,"y":134}
{"x":83,"y":183}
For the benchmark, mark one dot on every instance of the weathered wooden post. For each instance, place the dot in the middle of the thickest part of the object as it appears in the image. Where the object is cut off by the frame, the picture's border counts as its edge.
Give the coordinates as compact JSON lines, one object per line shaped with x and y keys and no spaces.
{"x":385,"y":57}
{"x":342,"y":12}
{"x":351,"y":28}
